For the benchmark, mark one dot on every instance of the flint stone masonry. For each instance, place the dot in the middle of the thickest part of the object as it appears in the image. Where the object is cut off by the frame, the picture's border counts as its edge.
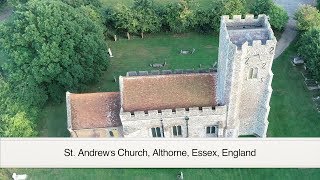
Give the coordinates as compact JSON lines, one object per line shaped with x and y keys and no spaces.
{"x":246,"y":44}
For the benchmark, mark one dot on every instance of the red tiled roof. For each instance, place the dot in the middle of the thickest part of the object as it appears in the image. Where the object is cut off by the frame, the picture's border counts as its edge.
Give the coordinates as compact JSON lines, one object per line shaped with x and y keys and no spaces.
{"x":95,"y":110}
{"x":156,"y":92}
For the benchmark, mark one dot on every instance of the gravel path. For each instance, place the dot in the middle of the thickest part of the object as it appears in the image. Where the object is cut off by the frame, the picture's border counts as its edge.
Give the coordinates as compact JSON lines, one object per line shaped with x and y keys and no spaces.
{"x":290,"y":30}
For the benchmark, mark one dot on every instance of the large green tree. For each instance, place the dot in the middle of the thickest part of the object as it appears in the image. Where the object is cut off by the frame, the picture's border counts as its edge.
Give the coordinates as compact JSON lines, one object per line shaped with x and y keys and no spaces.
{"x":309,"y":49}
{"x":278,"y":17}
{"x":125,"y":19}
{"x":53,"y":47}
{"x":148,"y":20}
{"x":179,"y":16}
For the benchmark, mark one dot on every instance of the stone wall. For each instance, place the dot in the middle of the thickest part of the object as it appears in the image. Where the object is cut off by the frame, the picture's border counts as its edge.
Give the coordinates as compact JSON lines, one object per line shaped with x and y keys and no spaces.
{"x":139,"y":123}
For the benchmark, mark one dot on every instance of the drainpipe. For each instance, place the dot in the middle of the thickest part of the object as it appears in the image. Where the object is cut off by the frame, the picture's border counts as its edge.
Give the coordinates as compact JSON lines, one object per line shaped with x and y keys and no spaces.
{"x":187,"y":119}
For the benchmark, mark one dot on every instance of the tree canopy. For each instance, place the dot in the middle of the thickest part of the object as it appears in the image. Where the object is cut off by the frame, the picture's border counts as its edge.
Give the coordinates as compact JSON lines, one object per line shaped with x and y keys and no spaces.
{"x":309,"y":49}
{"x":278,"y":17}
{"x":179,"y":16}
{"x":53,"y":47}
{"x":307,"y":17}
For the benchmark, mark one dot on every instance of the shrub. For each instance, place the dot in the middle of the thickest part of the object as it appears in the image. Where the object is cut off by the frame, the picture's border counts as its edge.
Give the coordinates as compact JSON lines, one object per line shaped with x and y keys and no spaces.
{"x":307,"y":17}
{"x":309,"y":49}
{"x":278,"y":17}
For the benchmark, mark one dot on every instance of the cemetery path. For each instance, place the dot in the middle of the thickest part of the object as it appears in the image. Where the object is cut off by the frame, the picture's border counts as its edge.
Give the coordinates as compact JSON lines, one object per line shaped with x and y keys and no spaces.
{"x":290,"y":31}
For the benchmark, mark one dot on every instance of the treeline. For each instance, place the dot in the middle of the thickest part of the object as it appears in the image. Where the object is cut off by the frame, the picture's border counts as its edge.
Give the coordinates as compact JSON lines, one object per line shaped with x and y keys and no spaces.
{"x":146,"y":16}
{"x":308,"y":45}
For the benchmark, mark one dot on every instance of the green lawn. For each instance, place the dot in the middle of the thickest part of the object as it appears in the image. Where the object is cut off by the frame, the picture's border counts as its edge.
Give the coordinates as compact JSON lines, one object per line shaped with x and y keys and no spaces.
{"x":167,"y":174}
{"x":292,"y":113}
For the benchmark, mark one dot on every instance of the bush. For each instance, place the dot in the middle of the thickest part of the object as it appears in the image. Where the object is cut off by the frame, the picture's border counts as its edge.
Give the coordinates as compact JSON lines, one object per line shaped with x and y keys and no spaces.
{"x":180,"y":16}
{"x":307,"y":17}
{"x":261,"y":6}
{"x":278,"y":17}
{"x":309,"y":49}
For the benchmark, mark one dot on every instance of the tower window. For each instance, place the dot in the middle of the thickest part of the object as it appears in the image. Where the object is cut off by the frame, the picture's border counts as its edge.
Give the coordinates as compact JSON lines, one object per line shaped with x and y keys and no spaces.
{"x":211,"y":130}
{"x":253,"y":73}
{"x":156,"y":132}
{"x":177,"y":131}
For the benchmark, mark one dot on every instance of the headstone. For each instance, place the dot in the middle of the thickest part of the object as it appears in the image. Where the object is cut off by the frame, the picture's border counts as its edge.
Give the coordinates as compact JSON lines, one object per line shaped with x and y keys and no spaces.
{"x":110,"y":53}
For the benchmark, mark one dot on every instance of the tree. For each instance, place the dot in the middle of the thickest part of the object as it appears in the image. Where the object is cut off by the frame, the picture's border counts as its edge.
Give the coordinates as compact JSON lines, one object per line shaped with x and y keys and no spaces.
{"x":278,"y":17}
{"x":147,"y":17}
{"x":261,"y":6}
{"x":16,"y":119}
{"x":18,"y":126}
{"x":53,"y":46}
{"x":307,"y":17}
{"x":203,"y":20}
{"x":179,"y":16}
{"x":309,"y":49}
{"x":125,"y":19}
{"x":233,"y":7}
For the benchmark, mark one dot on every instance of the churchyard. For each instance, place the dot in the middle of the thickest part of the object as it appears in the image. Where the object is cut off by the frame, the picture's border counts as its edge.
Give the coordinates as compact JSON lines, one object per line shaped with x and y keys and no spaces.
{"x":293,"y":111}
{"x":292,"y":114}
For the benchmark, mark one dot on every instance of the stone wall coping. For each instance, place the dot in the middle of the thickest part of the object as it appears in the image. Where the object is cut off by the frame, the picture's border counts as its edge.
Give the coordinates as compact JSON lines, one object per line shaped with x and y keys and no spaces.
{"x":168,"y":71}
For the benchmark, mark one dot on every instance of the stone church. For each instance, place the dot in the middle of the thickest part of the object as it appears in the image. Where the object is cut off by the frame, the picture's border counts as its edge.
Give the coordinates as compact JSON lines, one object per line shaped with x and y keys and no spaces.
{"x":230,"y":101}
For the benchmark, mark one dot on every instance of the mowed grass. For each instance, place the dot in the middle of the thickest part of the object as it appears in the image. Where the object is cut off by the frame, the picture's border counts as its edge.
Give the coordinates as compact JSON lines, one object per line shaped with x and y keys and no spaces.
{"x":292,"y":112}
{"x":168,"y":174}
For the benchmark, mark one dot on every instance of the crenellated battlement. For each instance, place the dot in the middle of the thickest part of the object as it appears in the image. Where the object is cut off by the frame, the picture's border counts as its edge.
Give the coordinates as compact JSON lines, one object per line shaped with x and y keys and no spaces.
{"x":255,"y":31}
{"x":248,"y":20}
{"x":166,"y":72}
{"x":169,"y":113}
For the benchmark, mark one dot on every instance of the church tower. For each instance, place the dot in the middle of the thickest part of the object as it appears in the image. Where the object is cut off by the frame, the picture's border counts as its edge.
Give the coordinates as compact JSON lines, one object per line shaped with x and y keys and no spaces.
{"x":246,"y":52}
